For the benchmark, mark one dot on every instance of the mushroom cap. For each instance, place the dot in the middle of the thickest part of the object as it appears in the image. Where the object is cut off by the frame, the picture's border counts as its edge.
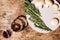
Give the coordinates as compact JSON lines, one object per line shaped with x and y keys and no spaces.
{"x":54,"y":21}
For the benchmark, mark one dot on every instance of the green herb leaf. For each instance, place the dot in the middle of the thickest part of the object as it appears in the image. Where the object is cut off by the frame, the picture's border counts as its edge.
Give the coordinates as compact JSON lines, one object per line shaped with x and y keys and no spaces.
{"x":35,"y":15}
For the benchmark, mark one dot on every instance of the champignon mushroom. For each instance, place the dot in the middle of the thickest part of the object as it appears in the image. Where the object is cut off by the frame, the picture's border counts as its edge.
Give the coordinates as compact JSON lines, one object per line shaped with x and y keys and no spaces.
{"x":23,"y":19}
{"x":55,"y":21}
{"x":49,"y":2}
{"x":56,"y":6}
{"x":19,"y":23}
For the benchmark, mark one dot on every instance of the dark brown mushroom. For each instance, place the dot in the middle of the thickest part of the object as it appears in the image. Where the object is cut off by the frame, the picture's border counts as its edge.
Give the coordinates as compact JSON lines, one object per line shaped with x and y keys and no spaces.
{"x":19,"y":23}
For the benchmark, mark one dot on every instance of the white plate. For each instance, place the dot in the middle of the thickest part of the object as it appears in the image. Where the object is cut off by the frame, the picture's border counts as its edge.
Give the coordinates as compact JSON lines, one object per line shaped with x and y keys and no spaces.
{"x":47,"y":15}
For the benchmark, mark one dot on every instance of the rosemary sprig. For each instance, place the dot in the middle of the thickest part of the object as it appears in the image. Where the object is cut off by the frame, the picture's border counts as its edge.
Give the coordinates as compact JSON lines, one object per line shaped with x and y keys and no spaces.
{"x":32,"y":8}
{"x":35,"y":15}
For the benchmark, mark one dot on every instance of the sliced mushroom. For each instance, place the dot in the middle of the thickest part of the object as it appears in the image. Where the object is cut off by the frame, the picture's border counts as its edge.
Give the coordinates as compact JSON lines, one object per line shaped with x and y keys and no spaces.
{"x":25,"y":23}
{"x":42,"y":3}
{"x":55,"y":21}
{"x":19,"y":23}
{"x":49,"y":2}
{"x":56,"y":6}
